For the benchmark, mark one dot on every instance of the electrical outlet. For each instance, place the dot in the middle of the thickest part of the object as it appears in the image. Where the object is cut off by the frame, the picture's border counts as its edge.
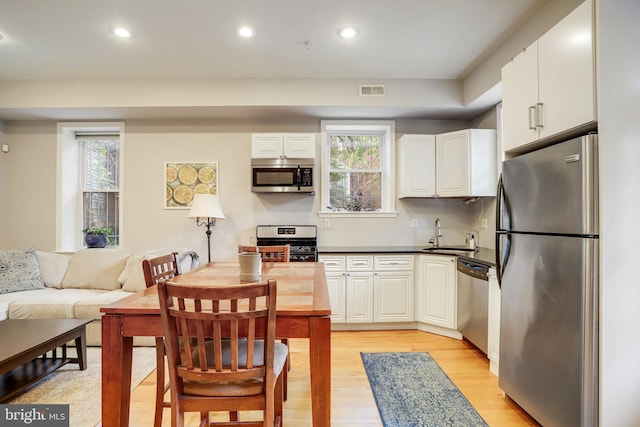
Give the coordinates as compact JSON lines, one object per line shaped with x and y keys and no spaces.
{"x":327,"y":223}
{"x":484,"y":223}
{"x":414,"y":222}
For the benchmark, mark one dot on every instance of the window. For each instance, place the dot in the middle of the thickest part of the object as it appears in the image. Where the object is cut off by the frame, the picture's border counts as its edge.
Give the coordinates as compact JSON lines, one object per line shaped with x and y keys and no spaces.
{"x":89,"y":182}
{"x":100,"y":182}
{"x":358,"y":172}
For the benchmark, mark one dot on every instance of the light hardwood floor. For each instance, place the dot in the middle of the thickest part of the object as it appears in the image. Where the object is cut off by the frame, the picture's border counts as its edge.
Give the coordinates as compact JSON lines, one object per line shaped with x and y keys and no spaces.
{"x":352,"y":402}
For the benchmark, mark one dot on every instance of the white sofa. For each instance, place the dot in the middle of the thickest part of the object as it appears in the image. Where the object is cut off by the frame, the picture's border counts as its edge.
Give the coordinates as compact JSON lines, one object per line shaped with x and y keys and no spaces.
{"x":47,"y":285}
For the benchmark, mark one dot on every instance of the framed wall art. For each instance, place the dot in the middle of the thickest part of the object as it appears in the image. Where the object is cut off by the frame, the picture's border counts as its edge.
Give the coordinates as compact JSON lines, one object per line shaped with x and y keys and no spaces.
{"x":183,"y":180}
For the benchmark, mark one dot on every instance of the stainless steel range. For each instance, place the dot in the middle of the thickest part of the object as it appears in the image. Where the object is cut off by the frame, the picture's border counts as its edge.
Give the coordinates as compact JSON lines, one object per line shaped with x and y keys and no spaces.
{"x":302,"y":239}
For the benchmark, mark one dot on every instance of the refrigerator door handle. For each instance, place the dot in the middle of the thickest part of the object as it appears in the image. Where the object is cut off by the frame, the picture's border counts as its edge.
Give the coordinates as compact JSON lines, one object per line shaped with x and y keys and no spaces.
{"x":500,"y":205}
{"x":498,"y":267}
{"x":499,"y":199}
{"x":501,"y":261}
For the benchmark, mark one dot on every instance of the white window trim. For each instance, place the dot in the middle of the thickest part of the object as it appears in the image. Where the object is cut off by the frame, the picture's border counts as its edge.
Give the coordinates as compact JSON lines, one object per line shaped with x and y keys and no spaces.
{"x":68,"y":211}
{"x":388,"y":209}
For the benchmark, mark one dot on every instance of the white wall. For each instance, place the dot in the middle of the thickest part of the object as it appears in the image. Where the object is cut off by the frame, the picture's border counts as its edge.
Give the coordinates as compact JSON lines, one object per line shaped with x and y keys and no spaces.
{"x":619,"y":112}
{"x":30,"y":217}
{"x":4,"y":159}
{"x":487,"y":74}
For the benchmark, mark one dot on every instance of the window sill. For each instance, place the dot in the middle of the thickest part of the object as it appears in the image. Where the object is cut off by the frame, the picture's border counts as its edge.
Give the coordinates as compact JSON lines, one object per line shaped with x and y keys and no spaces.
{"x":327,"y":214}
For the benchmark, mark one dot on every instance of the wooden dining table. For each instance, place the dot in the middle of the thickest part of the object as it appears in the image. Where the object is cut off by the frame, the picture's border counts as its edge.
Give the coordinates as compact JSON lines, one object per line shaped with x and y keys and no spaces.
{"x":303,"y":310}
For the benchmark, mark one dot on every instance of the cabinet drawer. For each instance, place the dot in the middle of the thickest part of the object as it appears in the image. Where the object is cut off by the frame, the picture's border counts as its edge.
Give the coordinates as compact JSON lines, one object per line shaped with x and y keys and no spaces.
{"x":394,"y":262}
{"x":360,"y":263}
{"x":333,"y":263}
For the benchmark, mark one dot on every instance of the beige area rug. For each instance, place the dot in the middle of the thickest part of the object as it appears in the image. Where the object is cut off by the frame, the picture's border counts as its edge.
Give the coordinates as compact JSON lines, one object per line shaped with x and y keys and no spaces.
{"x":82,"y":390}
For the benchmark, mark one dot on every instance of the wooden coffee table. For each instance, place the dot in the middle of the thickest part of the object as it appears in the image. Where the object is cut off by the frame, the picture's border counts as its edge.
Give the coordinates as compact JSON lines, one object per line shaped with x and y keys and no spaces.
{"x":30,"y":350}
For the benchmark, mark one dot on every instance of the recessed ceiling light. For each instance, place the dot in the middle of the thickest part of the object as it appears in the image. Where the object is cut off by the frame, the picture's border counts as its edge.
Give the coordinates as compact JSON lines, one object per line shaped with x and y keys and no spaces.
{"x":246,"y":31}
{"x":348,"y":32}
{"x":121,"y":32}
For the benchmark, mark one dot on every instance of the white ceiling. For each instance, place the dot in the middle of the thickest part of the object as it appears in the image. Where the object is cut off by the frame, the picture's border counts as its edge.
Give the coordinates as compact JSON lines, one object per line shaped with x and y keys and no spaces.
{"x":399,"y":39}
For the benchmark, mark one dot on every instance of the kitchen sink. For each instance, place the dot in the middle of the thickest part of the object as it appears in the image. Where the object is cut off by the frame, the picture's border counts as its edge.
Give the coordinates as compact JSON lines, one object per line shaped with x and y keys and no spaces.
{"x":449,"y":250}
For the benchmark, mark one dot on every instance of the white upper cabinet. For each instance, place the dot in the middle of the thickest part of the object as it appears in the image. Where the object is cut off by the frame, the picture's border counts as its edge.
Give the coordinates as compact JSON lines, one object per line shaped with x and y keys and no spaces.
{"x":466,"y":163}
{"x":283,"y":145}
{"x":454,"y":164}
{"x":549,"y":88}
{"x":416,"y":166}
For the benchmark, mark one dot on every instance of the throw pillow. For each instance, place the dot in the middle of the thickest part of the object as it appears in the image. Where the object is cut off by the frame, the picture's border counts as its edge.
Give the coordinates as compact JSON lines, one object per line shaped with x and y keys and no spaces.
{"x":95,"y":269}
{"x":133,"y":262}
{"x":52,"y":267}
{"x":19,"y":271}
{"x":133,"y":280}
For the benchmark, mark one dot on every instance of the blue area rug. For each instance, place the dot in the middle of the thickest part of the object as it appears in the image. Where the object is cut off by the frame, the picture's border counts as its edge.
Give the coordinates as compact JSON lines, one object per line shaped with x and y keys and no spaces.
{"x":411,"y":390}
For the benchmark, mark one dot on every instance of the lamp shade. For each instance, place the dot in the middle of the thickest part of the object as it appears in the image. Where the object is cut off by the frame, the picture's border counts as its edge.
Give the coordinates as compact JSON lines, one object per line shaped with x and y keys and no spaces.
{"x":206,"y":206}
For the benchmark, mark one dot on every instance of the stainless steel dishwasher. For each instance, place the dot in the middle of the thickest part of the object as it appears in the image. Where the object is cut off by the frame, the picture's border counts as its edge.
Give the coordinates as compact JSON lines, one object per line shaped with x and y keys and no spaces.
{"x":473,"y":301}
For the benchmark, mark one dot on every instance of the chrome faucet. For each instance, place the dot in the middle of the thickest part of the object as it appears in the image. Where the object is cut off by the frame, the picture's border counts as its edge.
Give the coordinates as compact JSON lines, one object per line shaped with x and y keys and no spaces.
{"x":436,"y":241}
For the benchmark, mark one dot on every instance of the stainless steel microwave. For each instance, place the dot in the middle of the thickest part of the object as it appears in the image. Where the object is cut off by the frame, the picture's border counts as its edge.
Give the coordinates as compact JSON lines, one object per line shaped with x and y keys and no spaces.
{"x":282,"y":175}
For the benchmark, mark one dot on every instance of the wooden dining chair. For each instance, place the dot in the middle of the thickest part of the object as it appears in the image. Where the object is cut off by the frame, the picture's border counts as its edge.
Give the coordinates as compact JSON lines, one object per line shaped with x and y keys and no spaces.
{"x":162,"y":267}
{"x":216,"y":362}
{"x":269,"y":253}
{"x":274,"y":254}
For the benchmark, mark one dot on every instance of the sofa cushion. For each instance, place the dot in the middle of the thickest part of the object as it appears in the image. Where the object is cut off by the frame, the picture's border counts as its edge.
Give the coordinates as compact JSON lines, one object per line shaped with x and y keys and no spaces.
{"x":19,"y":271}
{"x":53,"y":266}
{"x":89,"y":307}
{"x":49,"y":303}
{"x":95,"y":269}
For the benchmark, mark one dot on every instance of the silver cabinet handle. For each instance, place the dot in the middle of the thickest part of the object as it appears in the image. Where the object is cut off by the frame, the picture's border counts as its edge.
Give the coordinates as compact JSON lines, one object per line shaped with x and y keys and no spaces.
{"x":532,"y":118}
{"x":539,"y":123}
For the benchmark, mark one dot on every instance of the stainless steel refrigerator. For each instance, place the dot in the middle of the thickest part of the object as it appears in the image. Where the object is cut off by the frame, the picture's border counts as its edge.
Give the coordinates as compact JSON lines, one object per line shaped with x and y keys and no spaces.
{"x":547,"y":262}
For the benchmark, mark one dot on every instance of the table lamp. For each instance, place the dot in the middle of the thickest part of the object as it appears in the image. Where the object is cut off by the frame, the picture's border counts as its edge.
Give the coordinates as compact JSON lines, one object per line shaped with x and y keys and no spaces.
{"x":206,"y":207}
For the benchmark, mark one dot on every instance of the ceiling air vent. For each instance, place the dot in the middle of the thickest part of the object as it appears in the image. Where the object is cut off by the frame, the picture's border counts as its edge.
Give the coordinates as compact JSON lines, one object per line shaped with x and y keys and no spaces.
{"x":371,"y":90}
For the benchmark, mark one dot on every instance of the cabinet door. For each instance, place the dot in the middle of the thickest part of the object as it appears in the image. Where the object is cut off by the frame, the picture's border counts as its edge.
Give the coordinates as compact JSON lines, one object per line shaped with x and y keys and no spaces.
{"x":334,"y":267}
{"x":299,"y":145}
{"x":519,"y":99}
{"x":437,"y":291}
{"x":359,"y":297}
{"x":566,"y":73}
{"x":416,"y":166}
{"x":266,"y":145}
{"x":336,"y":284}
{"x":452,"y":164}
{"x":393,"y":296}
{"x":493,"y":339}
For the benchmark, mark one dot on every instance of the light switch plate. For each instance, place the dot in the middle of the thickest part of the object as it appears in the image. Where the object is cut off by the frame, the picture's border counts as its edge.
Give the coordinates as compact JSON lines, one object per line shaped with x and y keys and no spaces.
{"x":327,"y":223}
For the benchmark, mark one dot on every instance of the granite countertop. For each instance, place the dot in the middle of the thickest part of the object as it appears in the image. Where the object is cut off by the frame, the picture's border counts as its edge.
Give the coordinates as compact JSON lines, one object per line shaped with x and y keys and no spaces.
{"x":484,"y":255}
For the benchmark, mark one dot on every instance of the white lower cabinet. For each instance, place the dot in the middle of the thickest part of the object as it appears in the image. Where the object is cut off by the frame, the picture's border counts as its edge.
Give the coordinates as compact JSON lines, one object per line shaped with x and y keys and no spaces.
{"x":493,"y":345}
{"x":334,"y":267}
{"x":370,"y":289}
{"x":393,"y":286}
{"x":359,"y":297}
{"x":436,"y":300}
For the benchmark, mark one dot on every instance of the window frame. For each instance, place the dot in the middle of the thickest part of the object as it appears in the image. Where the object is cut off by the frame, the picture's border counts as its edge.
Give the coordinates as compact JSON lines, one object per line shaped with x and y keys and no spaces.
{"x":387,"y":160}
{"x":82,"y":138}
{"x":70,"y":163}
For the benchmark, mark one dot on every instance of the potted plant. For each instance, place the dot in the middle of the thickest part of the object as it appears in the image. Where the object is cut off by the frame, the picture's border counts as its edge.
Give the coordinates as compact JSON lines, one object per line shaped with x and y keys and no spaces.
{"x":96,"y":237}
